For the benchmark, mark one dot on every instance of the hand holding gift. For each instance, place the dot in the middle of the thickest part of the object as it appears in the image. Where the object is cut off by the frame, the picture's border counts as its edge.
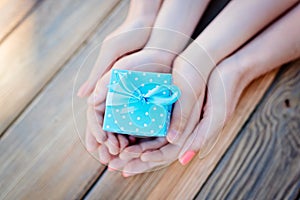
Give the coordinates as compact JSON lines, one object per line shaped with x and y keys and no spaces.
{"x":190,"y":131}
{"x":139,"y":103}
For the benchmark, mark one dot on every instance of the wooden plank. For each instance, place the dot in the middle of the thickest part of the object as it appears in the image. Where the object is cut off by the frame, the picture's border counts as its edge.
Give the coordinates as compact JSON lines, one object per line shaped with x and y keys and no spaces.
{"x":42,"y":156}
{"x":12,"y":14}
{"x":38,"y":48}
{"x":264,"y":160}
{"x":178,"y":182}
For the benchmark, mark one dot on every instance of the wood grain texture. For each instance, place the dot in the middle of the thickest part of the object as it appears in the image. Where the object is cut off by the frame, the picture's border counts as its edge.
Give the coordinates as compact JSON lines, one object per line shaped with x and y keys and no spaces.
{"x":12,"y":13}
{"x":264,"y":160}
{"x":42,"y":155}
{"x":39,"y":47}
{"x":176,"y":181}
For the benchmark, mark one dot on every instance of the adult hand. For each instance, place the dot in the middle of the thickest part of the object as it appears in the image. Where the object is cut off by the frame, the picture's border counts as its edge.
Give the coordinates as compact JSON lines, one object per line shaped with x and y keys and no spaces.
{"x":191,"y":78}
{"x":225,"y":86}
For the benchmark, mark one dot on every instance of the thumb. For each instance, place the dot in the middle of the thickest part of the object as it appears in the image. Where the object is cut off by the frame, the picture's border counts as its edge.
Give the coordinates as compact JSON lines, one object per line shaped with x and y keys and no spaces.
{"x":110,"y":51}
{"x":101,"y":89}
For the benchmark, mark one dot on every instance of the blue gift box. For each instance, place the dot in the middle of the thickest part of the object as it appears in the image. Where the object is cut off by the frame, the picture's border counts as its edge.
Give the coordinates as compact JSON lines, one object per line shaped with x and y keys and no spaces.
{"x":139,"y":103}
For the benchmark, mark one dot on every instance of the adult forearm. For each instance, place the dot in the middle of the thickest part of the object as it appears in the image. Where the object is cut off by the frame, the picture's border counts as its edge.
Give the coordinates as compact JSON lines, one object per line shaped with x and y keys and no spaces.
{"x":237,"y":23}
{"x":278,"y":44}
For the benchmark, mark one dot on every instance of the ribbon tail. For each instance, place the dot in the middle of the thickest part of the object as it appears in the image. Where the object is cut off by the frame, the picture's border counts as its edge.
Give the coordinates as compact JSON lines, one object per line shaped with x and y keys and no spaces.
{"x":115,"y":99}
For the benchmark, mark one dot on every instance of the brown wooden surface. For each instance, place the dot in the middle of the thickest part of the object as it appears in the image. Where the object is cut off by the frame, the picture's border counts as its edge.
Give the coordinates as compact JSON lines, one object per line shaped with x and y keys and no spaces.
{"x":29,"y":61}
{"x":42,"y":155}
{"x":13,"y":12}
{"x":178,"y":182}
{"x":264,"y":160}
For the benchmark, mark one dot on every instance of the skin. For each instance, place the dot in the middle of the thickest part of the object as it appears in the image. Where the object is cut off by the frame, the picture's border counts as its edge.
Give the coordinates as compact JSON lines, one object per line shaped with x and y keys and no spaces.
{"x":192,"y":82}
{"x":278,"y":44}
{"x":151,"y":58}
{"x":212,"y":48}
{"x":141,"y":16}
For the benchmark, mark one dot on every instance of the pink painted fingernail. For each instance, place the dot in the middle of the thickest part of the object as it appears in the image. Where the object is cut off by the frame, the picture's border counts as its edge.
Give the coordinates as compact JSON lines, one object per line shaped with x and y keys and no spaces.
{"x":187,"y":157}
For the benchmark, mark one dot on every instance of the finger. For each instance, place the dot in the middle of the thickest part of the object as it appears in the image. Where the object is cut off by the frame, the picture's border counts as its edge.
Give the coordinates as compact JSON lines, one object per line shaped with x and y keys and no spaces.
{"x":131,"y":152}
{"x":100,"y":92}
{"x":207,"y":131}
{"x":153,"y":144}
{"x":189,"y":96}
{"x":144,"y":60}
{"x":94,"y":122}
{"x":171,"y":151}
{"x":104,"y":156}
{"x":137,"y":166}
{"x":90,"y":141}
{"x":123,"y":141}
{"x":117,"y":164}
{"x":132,"y":139}
{"x":99,"y":95}
{"x":166,"y":153}
{"x":112,"y":143}
{"x":110,"y":51}
{"x":136,"y":150}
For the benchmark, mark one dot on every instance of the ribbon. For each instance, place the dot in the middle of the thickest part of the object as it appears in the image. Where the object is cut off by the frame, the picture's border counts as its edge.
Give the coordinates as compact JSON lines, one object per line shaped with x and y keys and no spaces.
{"x":124,"y":92}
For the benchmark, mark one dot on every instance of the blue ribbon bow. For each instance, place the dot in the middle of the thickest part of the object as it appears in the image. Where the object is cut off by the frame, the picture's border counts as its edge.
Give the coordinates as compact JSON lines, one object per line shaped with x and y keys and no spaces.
{"x":124,"y":92}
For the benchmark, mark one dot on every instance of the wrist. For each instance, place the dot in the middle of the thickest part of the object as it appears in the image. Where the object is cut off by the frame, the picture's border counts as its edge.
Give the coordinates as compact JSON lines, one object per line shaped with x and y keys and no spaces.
{"x":159,"y":56}
{"x":238,"y":68}
{"x":198,"y":57}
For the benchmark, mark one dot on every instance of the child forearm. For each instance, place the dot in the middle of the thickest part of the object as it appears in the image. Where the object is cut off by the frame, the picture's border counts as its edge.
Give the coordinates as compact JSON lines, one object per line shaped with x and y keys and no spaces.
{"x":175,"y":24}
{"x":144,"y":10}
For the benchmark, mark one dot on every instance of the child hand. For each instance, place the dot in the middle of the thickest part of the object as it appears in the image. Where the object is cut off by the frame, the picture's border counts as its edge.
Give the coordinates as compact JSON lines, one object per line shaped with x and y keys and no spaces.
{"x":191,"y":79}
{"x":138,"y":23}
{"x":169,"y":36}
{"x":144,"y":60}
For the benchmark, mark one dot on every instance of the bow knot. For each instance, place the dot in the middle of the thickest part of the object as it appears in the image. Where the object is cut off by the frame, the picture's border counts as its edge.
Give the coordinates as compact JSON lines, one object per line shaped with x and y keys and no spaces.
{"x":124,"y":92}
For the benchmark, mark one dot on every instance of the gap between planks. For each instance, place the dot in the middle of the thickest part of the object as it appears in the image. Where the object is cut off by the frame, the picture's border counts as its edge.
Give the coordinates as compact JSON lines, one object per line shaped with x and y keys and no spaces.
{"x":28,"y":150}
{"x":14,"y":18}
{"x":176,"y":181}
{"x":264,"y":159}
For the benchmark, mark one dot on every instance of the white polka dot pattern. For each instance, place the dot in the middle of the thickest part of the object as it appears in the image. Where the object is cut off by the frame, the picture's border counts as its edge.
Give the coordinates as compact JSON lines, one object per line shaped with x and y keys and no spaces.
{"x":139,"y":118}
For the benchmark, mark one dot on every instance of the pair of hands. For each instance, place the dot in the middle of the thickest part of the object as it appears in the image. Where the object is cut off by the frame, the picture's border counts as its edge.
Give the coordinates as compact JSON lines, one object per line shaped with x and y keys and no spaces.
{"x":209,"y":94}
{"x":187,"y":133}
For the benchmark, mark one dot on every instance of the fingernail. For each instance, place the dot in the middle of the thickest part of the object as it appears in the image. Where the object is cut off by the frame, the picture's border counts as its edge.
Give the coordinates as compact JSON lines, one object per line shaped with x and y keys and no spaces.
{"x":82,"y":90}
{"x":187,"y":157}
{"x":172,"y":136}
{"x":110,"y":169}
{"x":125,"y":175}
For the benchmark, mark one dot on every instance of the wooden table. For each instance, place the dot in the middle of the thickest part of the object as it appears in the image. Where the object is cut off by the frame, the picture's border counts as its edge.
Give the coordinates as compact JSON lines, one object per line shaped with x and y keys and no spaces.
{"x":43,"y":45}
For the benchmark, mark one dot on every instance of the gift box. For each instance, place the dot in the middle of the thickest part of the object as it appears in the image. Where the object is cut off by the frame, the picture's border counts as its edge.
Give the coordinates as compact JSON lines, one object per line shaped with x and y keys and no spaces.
{"x":139,"y":103}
